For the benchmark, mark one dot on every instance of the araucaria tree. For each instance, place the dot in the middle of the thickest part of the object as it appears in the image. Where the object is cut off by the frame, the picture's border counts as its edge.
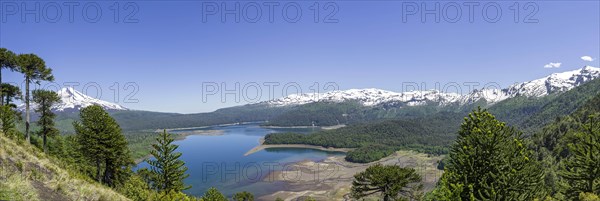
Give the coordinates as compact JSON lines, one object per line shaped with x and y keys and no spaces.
{"x":168,"y":170}
{"x":34,"y":70}
{"x":581,"y":169}
{"x":102,"y":143}
{"x":243,"y":196}
{"x":45,"y":100}
{"x":8,"y":115}
{"x":390,"y":181}
{"x":489,"y":161}
{"x":8,"y":60}
{"x":10,"y":92}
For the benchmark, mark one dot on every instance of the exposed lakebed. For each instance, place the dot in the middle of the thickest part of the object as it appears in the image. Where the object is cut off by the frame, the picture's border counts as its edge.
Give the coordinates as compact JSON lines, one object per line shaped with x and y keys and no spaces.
{"x":219,"y":161}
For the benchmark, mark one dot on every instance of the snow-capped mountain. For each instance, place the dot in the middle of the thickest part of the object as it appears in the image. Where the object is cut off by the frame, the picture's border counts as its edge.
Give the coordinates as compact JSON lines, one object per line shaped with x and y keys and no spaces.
{"x":557,"y":82}
{"x":73,"y":99}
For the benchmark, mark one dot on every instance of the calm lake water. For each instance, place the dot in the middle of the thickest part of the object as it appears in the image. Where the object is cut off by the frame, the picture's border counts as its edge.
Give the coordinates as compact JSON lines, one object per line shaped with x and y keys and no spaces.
{"x":219,"y":161}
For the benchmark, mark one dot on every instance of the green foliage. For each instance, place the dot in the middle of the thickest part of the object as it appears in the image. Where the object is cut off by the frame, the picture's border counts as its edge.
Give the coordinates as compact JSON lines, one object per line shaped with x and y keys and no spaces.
{"x":532,"y":114}
{"x":213,"y":195}
{"x":369,"y":153}
{"x":376,"y":140}
{"x":581,"y":169}
{"x":101,"y":142}
{"x":10,"y":92}
{"x":243,"y":196}
{"x":390,"y":181}
{"x":168,"y":170}
{"x":172,"y":196}
{"x":310,"y":199}
{"x":588,"y":197}
{"x":44,"y":100}
{"x":7,"y":118}
{"x":135,"y":188}
{"x":490,"y":161}
{"x":8,"y":60}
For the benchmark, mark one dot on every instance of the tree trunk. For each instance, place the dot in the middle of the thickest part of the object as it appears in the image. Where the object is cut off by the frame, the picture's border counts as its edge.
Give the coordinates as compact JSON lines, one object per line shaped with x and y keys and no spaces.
{"x":27,"y":109}
{"x":98,"y":170}
{"x":1,"y":96}
{"x":1,"y":93}
{"x":45,"y":147}
{"x":108,"y":172}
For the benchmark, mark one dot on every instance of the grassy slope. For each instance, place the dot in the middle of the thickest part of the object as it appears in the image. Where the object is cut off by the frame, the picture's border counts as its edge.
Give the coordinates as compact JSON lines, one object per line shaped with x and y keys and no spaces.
{"x":28,"y":174}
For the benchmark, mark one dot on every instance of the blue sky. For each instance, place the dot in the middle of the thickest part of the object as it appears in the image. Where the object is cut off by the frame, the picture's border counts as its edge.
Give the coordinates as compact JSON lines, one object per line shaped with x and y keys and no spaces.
{"x":170,"y":52}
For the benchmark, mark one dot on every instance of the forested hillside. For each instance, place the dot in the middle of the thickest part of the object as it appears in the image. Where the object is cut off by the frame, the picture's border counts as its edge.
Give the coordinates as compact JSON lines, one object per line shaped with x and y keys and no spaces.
{"x":431,"y":129}
{"x":531,"y":114}
{"x":378,"y":139}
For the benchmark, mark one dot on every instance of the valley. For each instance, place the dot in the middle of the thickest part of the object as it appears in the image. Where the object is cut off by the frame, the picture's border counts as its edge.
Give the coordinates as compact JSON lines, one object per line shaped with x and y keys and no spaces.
{"x":318,"y":101}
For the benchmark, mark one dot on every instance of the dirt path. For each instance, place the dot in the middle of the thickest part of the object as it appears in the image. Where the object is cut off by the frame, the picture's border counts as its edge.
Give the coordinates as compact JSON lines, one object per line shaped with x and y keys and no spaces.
{"x":45,"y":193}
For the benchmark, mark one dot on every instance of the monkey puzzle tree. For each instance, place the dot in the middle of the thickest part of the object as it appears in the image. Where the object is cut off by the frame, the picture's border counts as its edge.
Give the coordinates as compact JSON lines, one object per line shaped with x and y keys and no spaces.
{"x":33,"y":69}
{"x":489,"y":161}
{"x":10,"y":92}
{"x":45,"y":100}
{"x":390,"y":181}
{"x":243,"y":196}
{"x":581,"y":169}
{"x":168,"y":170}
{"x":8,"y":61}
{"x":102,"y":143}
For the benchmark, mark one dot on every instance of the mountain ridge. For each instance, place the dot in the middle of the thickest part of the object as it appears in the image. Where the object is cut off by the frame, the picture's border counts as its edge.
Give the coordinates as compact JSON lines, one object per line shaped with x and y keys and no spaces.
{"x":556,"y":82}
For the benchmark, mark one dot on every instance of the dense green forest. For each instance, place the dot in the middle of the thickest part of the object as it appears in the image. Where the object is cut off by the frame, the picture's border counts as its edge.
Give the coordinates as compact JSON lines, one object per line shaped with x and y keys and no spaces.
{"x":379,"y":139}
{"x":532,"y":114}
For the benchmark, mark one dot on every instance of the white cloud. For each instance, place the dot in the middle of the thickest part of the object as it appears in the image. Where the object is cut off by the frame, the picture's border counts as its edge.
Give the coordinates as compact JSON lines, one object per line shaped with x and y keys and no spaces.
{"x":552,"y":65}
{"x":587,"y":58}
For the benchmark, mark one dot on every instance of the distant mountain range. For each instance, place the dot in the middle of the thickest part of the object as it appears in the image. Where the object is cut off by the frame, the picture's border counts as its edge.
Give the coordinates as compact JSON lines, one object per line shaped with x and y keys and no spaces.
{"x":541,"y":98}
{"x":557,"y":82}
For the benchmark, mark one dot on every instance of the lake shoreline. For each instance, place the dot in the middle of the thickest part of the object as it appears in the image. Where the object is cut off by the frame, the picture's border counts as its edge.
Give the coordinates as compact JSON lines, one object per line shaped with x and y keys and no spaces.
{"x":332,"y":178}
{"x":182,"y":136}
{"x":321,"y":127}
{"x":261,"y":146}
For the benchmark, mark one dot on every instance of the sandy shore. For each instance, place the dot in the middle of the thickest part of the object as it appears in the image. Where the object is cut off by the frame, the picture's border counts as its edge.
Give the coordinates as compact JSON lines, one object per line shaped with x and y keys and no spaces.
{"x":321,"y":127}
{"x":262,"y":146}
{"x":332,"y":178}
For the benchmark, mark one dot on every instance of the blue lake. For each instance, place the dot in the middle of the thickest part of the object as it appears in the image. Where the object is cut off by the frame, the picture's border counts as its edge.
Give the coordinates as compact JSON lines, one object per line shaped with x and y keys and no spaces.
{"x":219,"y":161}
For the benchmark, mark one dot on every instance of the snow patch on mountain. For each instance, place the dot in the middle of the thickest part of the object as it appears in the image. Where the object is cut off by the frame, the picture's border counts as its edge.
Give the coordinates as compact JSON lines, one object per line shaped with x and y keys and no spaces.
{"x":73,"y":99}
{"x":557,"y":82}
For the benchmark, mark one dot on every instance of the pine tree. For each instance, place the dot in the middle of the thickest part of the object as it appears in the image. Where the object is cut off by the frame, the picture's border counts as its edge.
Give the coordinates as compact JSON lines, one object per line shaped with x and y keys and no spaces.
{"x":45,"y":100}
{"x":489,"y":161}
{"x":168,"y":169}
{"x":390,"y":181}
{"x":102,"y":143}
{"x":581,"y":169}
